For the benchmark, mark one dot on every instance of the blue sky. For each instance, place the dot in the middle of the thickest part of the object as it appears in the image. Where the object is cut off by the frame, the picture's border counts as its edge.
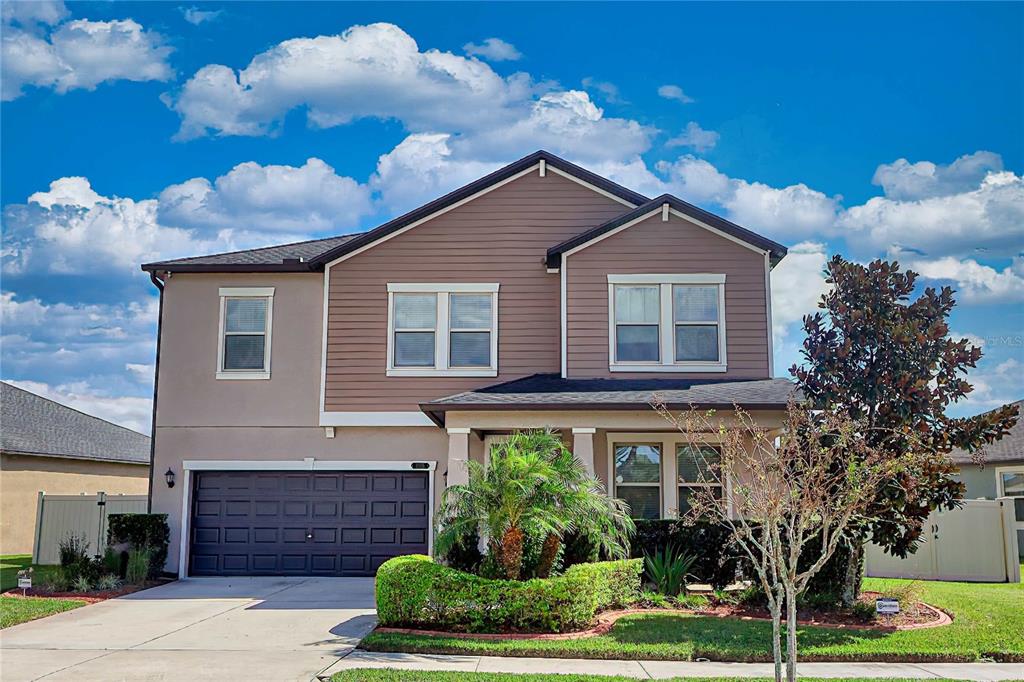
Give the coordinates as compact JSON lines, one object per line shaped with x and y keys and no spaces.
{"x":138,"y":131}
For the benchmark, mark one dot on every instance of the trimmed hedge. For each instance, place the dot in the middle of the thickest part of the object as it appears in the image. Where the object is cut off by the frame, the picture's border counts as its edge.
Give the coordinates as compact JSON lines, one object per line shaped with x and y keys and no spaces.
{"x":413,"y":591}
{"x":141,"y":530}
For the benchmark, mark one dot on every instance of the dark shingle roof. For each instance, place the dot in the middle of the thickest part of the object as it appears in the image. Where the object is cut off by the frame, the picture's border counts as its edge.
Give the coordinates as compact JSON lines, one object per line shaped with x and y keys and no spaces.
{"x":32,"y":424}
{"x":1009,"y":448}
{"x":253,"y":260}
{"x":551,"y":392}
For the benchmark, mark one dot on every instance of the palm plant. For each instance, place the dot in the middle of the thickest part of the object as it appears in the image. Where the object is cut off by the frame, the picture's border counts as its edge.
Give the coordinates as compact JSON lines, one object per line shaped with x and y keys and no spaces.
{"x":532,"y":484}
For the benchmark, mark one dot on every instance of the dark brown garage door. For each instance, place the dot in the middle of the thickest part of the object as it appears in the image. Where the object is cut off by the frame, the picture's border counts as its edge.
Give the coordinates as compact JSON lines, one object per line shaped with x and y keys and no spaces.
{"x":296,"y":523}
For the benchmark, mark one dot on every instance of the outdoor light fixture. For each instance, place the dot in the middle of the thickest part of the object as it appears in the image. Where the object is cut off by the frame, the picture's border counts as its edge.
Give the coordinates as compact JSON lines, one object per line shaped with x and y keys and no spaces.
{"x":169,"y":477}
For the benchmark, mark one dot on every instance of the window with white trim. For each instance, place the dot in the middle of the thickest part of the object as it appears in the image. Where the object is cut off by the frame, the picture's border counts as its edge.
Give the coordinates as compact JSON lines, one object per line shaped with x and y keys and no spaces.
{"x":696,"y":468}
{"x":243,"y":349}
{"x":666,"y":323}
{"x":442,"y":330}
{"x":638,"y":478}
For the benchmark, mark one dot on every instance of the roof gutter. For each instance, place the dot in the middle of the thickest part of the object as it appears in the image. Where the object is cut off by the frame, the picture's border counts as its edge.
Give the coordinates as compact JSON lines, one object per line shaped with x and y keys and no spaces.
{"x":158,"y":283}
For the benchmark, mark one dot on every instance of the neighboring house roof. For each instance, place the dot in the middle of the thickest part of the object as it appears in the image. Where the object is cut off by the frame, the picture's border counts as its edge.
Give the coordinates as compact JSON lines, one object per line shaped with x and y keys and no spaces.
{"x":283,"y":258}
{"x":777,"y":251}
{"x":551,"y":392}
{"x":1009,"y":448}
{"x":314,"y":255}
{"x":34,"y":425}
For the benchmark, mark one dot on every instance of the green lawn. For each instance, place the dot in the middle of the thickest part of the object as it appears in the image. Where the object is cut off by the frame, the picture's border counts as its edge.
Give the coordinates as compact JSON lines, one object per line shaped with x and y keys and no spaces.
{"x":390,"y":675}
{"x":10,"y":564}
{"x":14,"y":610}
{"x":988,"y":622}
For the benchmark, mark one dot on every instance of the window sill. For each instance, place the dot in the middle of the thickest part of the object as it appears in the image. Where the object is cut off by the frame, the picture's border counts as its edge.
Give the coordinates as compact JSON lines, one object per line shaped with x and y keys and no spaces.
{"x":429,"y":372}
{"x":709,"y":368}
{"x":243,"y":375}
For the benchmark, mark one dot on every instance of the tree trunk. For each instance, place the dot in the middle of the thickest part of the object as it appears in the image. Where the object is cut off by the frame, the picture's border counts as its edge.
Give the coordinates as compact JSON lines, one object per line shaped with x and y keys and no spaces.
{"x":548,"y":552}
{"x":790,"y":634}
{"x":511,"y":556}
{"x":854,"y":574}
{"x":776,"y":610}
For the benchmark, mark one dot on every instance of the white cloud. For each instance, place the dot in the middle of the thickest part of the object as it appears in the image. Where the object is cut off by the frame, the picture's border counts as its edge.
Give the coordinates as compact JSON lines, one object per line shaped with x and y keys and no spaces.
{"x":493,"y":49}
{"x":974,"y":282}
{"x":93,"y":357}
{"x":695,"y":137}
{"x":995,"y":385}
{"x":422,"y":167}
{"x":28,"y":14}
{"x":610,"y":91}
{"x":973,"y":339}
{"x":131,"y":412}
{"x":989,"y":217}
{"x":367,"y":71}
{"x":308,"y":198}
{"x":798,"y":283}
{"x":77,"y":54}
{"x":72,"y":229}
{"x":378,"y":71}
{"x":902,"y":180}
{"x":196,"y":16}
{"x":795,"y":211}
{"x":674,"y":92}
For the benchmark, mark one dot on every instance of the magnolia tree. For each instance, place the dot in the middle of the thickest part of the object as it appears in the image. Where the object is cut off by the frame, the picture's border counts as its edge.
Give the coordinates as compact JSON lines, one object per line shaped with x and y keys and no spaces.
{"x":794,"y":495}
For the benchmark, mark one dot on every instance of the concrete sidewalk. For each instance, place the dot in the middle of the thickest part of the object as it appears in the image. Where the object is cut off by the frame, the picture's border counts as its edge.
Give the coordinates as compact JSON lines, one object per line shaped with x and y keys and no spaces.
{"x":646,"y":670}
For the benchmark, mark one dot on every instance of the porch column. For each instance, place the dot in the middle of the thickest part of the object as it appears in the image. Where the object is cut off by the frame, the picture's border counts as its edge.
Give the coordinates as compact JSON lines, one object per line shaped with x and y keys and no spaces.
{"x":583,"y":447}
{"x":458,"y":455}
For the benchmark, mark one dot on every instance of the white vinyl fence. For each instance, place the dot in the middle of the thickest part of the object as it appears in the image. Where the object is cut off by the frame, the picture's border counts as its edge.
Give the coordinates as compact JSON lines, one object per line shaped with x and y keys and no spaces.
{"x":975,"y":543}
{"x":58,"y":516}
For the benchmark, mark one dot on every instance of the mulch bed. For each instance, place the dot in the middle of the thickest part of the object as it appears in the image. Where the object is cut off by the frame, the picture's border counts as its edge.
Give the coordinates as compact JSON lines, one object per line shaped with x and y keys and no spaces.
{"x":911,"y":617}
{"x":91,"y":597}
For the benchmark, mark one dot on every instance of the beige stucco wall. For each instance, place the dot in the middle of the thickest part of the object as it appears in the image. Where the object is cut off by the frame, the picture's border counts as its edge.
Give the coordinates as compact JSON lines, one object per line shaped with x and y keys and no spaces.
{"x":22,"y":477}
{"x":190,"y":393}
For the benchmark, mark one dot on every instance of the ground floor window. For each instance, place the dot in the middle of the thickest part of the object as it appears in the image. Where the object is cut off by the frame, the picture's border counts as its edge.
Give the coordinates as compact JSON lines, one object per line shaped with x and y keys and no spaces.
{"x":658,"y":473}
{"x":638,"y":478}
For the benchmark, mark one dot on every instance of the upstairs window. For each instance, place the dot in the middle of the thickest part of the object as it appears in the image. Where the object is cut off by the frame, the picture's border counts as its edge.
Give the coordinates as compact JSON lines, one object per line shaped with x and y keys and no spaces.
{"x":442,"y":330}
{"x":666,"y":323}
{"x":245,"y":329}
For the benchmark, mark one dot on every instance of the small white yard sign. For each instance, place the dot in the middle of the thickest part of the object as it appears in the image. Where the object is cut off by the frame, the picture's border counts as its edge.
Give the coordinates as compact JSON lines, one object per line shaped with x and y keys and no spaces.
{"x":887,"y":606}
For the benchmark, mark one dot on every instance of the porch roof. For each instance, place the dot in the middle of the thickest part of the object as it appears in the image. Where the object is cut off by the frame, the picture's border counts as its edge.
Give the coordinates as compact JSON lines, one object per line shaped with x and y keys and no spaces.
{"x":552,"y":392}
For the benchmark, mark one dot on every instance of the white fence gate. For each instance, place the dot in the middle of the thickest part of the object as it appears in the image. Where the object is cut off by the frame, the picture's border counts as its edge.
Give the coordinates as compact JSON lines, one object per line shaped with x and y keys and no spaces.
{"x":57,"y":516}
{"x":975,"y":543}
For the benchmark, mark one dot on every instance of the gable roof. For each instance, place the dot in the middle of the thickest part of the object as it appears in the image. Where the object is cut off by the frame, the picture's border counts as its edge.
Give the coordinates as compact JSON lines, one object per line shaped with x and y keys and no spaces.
{"x":34,"y":425}
{"x":1009,"y":448}
{"x":552,"y":392}
{"x":314,"y":255}
{"x":775,"y":250}
{"x":466,"y":191}
{"x":294,"y":257}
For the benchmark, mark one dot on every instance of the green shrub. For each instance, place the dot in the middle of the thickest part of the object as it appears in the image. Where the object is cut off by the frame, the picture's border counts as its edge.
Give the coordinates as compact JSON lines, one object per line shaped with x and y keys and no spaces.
{"x":75,"y":562}
{"x":413,"y":591}
{"x":81,"y":584}
{"x":141,"y":530}
{"x":108,"y":581}
{"x":668,"y":570}
{"x":139,"y":565}
{"x":718,"y":558}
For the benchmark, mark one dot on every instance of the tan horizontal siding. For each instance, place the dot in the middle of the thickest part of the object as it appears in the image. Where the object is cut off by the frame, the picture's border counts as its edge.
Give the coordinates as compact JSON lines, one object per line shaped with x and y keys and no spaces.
{"x":501,"y":237}
{"x":674,"y":247}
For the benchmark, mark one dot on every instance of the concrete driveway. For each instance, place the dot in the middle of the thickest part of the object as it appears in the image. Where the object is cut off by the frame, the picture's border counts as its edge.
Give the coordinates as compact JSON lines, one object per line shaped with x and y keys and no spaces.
{"x":197,"y":629}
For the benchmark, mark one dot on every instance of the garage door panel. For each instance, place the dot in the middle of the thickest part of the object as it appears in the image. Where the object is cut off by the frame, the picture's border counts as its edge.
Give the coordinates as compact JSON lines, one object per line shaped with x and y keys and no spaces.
{"x":268,"y":523}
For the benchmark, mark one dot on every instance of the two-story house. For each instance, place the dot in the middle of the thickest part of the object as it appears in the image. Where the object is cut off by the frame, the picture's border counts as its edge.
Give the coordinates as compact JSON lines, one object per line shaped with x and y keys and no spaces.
{"x":314,"y":399}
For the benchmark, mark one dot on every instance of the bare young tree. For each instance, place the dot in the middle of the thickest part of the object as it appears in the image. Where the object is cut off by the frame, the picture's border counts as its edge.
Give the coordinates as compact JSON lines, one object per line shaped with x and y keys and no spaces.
{"x":788,"y":493}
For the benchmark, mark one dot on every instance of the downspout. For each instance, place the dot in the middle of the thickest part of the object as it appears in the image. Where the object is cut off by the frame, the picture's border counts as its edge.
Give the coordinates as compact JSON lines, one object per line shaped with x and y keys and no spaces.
{"x":156,"y":380}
